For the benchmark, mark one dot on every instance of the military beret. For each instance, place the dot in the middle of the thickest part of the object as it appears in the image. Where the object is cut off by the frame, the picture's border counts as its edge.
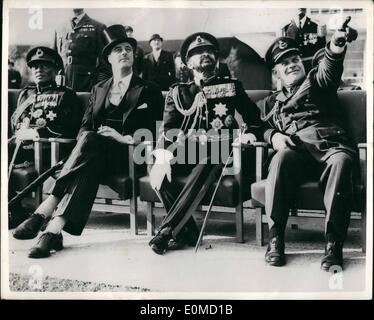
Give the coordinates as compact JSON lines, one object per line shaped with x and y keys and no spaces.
{"x":199,"y":39}
{"x":279,"y":48}
{"x":44,"y":54}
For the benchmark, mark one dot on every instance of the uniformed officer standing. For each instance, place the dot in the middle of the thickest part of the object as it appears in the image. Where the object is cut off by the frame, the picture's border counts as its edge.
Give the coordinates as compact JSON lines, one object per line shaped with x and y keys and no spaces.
{"x":44,"y":110}
{"x":80,"y":44}
{"x":206,"y":105}
{"x":303,"y":128}
{"x":309,"y":36}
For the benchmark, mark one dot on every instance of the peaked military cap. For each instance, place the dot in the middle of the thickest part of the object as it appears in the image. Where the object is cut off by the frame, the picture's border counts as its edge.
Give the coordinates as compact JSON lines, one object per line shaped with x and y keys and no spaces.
{"x":279,"y":48}
{"x":44,"y":54}
{"x":114,"y":35}
{"x":199,"y":39}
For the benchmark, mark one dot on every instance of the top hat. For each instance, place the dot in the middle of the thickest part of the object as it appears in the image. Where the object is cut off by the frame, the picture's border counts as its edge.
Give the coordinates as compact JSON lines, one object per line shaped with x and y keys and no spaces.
{"x":156,"y":36}
{"x":199,"y":39}
{"x":44,"y":54}
{"x":114,"y":35}
{"x":279,"y":48}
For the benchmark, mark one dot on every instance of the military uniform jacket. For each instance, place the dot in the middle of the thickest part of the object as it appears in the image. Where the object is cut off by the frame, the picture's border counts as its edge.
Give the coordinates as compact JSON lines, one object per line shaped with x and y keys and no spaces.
{"x":161,"y":72}
{"x":142,"y":105}
{"x":307,"y":38}
{"x":309,"y":113}
{"x":53,"y":111}
{"x":210,"y":108}
{"x":80,"y":47}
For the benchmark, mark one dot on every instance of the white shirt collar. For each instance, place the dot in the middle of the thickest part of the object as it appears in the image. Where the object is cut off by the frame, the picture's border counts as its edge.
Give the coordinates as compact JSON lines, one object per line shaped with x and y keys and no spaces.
{"x":125,"y":80}
{"x":78,"y":18}
{"x":302,"y":21}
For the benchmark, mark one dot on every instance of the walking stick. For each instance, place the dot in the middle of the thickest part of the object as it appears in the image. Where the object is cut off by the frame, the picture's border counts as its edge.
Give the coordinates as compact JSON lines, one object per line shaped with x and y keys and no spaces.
{"x":11,"y":165}
{"x":44,"y":176}
{"x":244,"y":127}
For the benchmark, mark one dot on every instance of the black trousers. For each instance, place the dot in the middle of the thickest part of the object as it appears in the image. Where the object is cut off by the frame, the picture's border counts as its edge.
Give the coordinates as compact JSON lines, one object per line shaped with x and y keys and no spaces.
{"x":93,"y":159}
{"x":180,"y":205}
{"x":289,"y":168}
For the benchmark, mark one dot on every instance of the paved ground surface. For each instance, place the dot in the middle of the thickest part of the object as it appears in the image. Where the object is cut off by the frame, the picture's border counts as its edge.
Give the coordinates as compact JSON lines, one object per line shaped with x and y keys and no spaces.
{"x":107,"y":257}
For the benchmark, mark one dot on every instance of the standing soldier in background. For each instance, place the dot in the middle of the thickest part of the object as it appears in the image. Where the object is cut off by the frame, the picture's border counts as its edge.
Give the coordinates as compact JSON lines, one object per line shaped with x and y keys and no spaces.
{"x":80,"y":44}
{"x":139,"y":54}
{"x":159,"y":64}
{"x":309,"y":36}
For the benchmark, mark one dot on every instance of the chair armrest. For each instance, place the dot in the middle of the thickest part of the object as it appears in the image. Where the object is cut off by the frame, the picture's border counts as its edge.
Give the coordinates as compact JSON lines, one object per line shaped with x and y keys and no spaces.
{"x":262,"y":149}
{"x":55,"y":148}
{"x":362,"y":151}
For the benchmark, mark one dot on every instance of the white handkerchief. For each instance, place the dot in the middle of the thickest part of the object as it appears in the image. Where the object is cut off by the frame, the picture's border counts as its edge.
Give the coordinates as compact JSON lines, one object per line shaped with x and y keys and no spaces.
{"x":143,"y":106}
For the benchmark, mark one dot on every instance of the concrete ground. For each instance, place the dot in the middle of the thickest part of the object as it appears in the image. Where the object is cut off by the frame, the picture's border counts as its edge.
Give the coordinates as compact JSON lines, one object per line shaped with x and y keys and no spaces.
{"x":107,"y":253}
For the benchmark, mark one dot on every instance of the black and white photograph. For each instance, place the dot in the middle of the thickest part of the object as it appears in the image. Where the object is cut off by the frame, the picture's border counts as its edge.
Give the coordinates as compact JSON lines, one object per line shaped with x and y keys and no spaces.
{"x":187,"y":150}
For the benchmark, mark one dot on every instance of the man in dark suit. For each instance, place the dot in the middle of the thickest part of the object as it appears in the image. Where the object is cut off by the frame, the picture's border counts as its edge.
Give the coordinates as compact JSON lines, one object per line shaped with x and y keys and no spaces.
{"x":309,"y":36}
{"x":302,"y":128}
{"x":159,"y":64}
{"x":201,"y":115}
{"x":14,"y":77}
{"x":80,"y":44}
{"x":118,"y":109}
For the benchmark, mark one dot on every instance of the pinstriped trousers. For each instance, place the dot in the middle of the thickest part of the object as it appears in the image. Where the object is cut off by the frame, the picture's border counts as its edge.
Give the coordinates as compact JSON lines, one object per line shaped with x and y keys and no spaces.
{"x":93,"y":158}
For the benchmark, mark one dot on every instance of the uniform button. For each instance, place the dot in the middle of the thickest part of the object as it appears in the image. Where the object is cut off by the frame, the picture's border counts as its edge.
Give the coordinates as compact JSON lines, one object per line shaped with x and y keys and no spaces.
{"x":69,"y":51}
{"x":70,"y":40}
{"x":338,"y":131}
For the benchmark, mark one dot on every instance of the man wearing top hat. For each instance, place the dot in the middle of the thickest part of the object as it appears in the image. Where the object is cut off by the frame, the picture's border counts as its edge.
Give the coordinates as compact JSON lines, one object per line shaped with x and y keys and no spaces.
{"x":46,"y":110}
{"x":118,"y":108}
{"x":80,"y":44}
{"x":199,"y":112}
{"x":302,"y":127}
{"x":159,"y":66}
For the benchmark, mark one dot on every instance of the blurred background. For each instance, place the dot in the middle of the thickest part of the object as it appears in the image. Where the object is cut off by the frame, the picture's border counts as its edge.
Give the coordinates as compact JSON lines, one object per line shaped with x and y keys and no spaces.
{"x":244,"y":34}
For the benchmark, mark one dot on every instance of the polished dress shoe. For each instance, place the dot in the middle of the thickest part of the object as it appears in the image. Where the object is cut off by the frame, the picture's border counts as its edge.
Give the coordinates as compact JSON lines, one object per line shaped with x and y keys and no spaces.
{"x":47,"y":242}
{"x":30,"y":228}
{"x":159,"y":244}
{"x":333,"y":255}
{"x":275,"y":252}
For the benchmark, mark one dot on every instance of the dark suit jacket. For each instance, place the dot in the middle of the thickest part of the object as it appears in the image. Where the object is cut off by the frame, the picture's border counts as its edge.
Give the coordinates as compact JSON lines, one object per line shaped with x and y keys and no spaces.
{"x":161,"y":72}
{"x":143,"y":103}
{"x":307,"y":37}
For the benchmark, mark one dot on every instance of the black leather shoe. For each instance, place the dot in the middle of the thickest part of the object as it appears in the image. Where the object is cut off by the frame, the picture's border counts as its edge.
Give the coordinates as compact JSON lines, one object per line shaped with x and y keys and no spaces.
{"x":333,"y":255}
{"x":159,"y":244}
{"x":48,"y":241}
{"x":30,"y":228}
{"x":275,"y":252}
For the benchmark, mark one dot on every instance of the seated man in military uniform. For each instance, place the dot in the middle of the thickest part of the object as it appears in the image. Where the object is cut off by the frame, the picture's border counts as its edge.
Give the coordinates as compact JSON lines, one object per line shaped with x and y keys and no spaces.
{"x":44,"y":110}
{"x":201,"y":112}
{"x":302,"y":128}
{"x":121,"y":109}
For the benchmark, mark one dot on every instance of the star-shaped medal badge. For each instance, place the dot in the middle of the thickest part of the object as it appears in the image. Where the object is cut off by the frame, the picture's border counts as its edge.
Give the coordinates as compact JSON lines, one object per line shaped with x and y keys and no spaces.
{"x":220,"y":109}
{"x":51,"y":115}
{"x":216,"y":124}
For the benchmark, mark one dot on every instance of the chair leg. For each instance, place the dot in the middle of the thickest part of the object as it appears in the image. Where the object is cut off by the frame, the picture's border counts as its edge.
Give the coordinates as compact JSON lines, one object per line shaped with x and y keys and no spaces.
{"x":259,"y":227}
{"x":239,"y":223}
{"x":150,"y":219}
{"x":134,"y":215}
{"x":363,"y":230}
